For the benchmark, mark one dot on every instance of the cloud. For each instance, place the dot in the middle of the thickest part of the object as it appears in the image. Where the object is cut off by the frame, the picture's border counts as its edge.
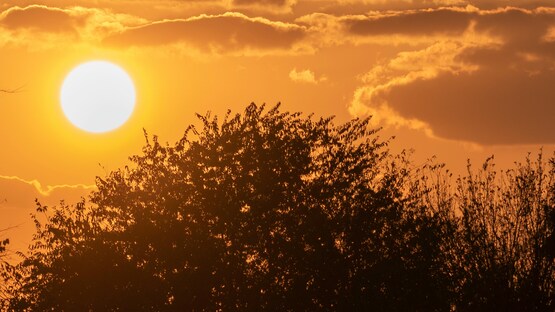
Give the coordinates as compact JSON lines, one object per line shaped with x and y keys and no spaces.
{"x":47,"y":190}
{"x":445,"y":21}
{"x":41,"y":25}
{"x":39,"y":18}
{"x":225,"y":33}
{"x":305,"y":76}
{"x":491,"y":68}
{"x":17,"y":202}
{"x":405,"y":69}
{"x":277,"y":3}
{"x":275,"y":6}
{"x":490,"y":83}
{"x":346,"y":7}
{"x":388,"y":28}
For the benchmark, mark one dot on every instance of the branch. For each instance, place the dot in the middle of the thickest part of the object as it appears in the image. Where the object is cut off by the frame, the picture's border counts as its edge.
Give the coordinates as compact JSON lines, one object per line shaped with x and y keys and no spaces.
{"x":12,"y":90}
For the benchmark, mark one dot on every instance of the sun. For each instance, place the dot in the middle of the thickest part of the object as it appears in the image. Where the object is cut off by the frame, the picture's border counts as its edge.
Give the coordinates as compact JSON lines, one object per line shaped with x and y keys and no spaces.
{"x":98,"y":96}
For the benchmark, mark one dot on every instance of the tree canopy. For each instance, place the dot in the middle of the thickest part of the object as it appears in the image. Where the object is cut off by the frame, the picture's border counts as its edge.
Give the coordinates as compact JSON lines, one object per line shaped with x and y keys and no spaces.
{"x":268,"y":210}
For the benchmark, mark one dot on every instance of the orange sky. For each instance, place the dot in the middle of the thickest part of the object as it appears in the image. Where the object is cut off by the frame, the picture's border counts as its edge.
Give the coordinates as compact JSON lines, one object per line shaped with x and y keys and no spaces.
{"x":452,"y":78}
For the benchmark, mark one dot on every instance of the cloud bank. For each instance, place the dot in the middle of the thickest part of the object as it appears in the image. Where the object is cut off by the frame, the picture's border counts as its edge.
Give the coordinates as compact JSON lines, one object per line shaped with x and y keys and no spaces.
{"x":486,"y":78}
{"x":464,"y":73}
{"x":228,"y":32}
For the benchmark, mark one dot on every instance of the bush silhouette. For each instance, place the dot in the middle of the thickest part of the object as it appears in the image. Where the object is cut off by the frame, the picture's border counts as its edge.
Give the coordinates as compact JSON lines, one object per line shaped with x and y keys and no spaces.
{"x":506,"y":237}
{"x":268,"y":210}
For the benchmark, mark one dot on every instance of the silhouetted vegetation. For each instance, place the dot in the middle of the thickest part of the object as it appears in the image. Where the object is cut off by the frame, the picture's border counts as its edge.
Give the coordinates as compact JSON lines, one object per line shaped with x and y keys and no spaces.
{"x":3,"y":244}
{"x":276,"y":211}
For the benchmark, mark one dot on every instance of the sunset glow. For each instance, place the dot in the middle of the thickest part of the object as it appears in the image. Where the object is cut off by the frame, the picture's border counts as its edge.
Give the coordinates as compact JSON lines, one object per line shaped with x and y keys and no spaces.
{"x":86,"y":85}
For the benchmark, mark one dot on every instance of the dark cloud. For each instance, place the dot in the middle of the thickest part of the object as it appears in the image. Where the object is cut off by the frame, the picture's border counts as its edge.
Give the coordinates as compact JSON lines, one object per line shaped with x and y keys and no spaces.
{"x":491,"y":106}
{"x":522,"y":31}
{"x":221,"y":33}
{"x":39,"y":18}
{"x":442,"y":21}
{"x":276,"y":3}
{"x":505,"y":94}
{"x":513,"y":25}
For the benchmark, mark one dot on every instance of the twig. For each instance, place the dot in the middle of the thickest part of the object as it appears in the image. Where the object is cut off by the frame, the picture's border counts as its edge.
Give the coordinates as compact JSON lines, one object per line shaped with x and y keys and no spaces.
{"x":12,"y":90}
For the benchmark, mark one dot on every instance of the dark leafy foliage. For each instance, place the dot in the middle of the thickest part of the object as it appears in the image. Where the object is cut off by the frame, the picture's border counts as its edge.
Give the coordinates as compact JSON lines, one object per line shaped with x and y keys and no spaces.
{"x":276,"y":211}
{"x":506,"y":238}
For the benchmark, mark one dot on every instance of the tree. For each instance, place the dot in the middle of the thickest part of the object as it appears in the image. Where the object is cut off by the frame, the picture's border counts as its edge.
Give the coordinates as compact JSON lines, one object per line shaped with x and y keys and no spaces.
{"x":262,"y":211}
{"x":498,"y":246}
{"x":3,"y":266}
{"x":505,"y":238}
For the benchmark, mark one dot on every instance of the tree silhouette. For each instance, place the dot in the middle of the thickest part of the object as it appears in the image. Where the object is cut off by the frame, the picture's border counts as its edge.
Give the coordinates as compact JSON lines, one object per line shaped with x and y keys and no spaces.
{"x":498,"y":247}
{"x":262,"y":211}
{"x":505,"y":236}
{"x":3,"y":266}
{"x":268,"y":210}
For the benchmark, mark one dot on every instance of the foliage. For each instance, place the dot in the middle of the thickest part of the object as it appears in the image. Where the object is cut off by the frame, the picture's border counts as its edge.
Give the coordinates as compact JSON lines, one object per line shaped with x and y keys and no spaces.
{"x":498,"y":248}
{"x":276,"y":211}
{"x":3,"y":264}
{"x":506,"y":238}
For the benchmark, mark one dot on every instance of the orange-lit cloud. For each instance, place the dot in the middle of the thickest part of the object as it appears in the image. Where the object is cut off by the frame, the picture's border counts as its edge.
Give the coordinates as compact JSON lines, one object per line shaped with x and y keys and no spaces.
{"x":225,"y":33}
{"x":275,"y":6}
{"x":47,"y":190}
{"x":305,"y":76}
{"x":487,"y":79}
{"x":39,"y":25}
{"x":461,"y":65}
{"x":444,"y":21}
{"x":278,"y":3}
{"x":40,"y":18}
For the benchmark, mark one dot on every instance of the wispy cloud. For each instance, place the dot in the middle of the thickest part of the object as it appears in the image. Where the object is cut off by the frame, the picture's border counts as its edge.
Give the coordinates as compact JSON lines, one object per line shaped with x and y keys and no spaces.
{"x":226,"y":33}
{"x":47,"y":190}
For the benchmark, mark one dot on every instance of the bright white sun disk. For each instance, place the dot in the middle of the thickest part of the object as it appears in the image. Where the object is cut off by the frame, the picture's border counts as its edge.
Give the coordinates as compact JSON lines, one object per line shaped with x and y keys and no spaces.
{"x":98,"y":96}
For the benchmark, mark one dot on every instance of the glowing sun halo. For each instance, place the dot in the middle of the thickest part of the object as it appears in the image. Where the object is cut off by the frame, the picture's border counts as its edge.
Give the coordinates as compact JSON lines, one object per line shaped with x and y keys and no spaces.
{"x":98,"y":96}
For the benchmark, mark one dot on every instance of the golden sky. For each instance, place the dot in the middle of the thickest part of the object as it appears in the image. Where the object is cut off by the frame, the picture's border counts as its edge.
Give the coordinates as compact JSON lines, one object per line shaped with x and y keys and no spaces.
{"x":452,"y":78}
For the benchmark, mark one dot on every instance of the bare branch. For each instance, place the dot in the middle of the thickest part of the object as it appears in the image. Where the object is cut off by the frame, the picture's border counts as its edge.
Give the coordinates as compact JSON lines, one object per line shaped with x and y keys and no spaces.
{"x":17,"y":90}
